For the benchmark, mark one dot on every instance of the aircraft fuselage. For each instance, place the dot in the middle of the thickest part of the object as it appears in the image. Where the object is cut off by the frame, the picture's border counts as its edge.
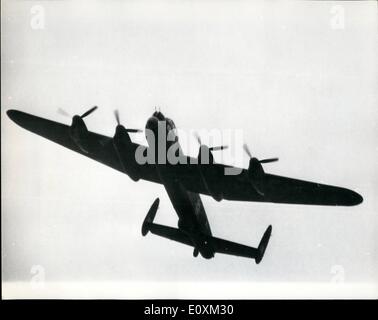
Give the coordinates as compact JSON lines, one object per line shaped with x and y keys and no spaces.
{"x":192,"y":218}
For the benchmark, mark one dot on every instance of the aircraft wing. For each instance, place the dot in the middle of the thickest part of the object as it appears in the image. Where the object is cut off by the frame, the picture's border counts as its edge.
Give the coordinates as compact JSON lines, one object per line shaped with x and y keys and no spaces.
{"x":102,"y":149}
{"x":277,"y":189}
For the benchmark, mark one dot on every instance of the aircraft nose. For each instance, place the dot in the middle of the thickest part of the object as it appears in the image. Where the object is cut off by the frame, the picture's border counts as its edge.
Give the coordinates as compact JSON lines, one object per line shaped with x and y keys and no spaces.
{"x":151,"y":123}
{"x":158,"y":115}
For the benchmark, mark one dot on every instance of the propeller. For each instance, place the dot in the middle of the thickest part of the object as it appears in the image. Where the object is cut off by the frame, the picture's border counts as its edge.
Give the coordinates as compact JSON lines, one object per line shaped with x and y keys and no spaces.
{"x":64,"y":113}
{"x":217,"y":148}
{"x":256,"y":171}
{"x":87,"y":113}
{"x":248,"y":152}
{"x":116,"y":114}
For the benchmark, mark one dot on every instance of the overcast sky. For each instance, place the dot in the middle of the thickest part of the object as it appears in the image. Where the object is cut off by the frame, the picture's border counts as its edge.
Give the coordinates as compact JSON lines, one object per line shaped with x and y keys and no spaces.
{"x":299,"y":78}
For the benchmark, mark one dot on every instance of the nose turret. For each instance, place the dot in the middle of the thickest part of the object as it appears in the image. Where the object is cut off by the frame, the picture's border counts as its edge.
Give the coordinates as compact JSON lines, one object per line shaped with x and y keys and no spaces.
{"x":161,"y":134}
{"x":159,"y":115}
{"x":153,"y":122}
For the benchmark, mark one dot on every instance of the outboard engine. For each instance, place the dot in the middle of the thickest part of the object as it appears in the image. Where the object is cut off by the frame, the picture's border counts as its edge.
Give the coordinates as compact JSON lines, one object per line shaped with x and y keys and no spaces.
{"x":78,"y":131}
{"x":256,"y":174}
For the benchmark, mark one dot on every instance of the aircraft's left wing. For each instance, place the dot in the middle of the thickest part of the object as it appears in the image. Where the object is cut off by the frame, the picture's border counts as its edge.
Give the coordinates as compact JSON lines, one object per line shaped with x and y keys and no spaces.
{"x":102,"y":149}
{"x":276,"y":189}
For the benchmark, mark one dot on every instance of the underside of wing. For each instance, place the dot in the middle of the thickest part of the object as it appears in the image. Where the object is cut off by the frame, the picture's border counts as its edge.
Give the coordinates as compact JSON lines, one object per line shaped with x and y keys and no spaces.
{"x":268,"y":188}
{"x":287,"y":190}
{"x":280,"y":189}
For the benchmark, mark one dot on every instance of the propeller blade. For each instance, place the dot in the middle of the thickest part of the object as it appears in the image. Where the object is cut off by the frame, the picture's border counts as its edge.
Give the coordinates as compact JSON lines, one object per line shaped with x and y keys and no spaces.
{"x":116,"y":114}
{"x":268,"y":160}
{"x":210,"y":148}
{"x":64,"y":113}
{"x":247,"y":151}
{"x":198,"y":138}
{"x":218,"y":148}
{"x":88,"y":112}
{"x":258,"y":190}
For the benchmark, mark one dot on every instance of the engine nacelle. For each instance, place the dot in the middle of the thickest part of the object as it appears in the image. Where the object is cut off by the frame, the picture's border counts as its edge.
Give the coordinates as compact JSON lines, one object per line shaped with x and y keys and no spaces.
{"x":256,"y":175}
{"x":208,"y":172}
{"x":126,"y":153}
{"x":79,"y":134}
{"x":255,"y":169}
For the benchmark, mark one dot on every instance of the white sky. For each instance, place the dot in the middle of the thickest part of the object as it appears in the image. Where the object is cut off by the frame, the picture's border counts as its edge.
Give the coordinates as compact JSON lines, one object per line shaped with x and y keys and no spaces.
{"x":299,"y":87}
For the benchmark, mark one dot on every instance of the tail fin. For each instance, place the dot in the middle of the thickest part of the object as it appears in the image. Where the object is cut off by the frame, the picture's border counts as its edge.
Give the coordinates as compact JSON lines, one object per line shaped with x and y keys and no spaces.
{"x":150,"y":216}
{"x":263,"y":244}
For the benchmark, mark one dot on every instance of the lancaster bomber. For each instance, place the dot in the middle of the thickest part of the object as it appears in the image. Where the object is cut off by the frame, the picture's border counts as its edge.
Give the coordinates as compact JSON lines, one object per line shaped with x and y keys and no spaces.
{"x":187,"y":178}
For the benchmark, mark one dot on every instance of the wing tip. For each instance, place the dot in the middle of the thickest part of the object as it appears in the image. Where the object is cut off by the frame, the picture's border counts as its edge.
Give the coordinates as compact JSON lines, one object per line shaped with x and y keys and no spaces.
{"x":16,"y":116}
{"x":12,"y":113}
{"x":356,"y":198}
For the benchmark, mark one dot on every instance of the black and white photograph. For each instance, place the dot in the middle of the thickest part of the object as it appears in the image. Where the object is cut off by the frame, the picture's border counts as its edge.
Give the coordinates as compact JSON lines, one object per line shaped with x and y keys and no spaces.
{"x":189,"y":150}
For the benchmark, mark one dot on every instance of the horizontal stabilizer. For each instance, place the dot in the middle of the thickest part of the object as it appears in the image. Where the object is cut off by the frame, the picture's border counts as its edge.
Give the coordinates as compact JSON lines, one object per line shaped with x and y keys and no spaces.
{"x":217,"y":244}
{"x":236,"y":249}
{"x":169,"y":233}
